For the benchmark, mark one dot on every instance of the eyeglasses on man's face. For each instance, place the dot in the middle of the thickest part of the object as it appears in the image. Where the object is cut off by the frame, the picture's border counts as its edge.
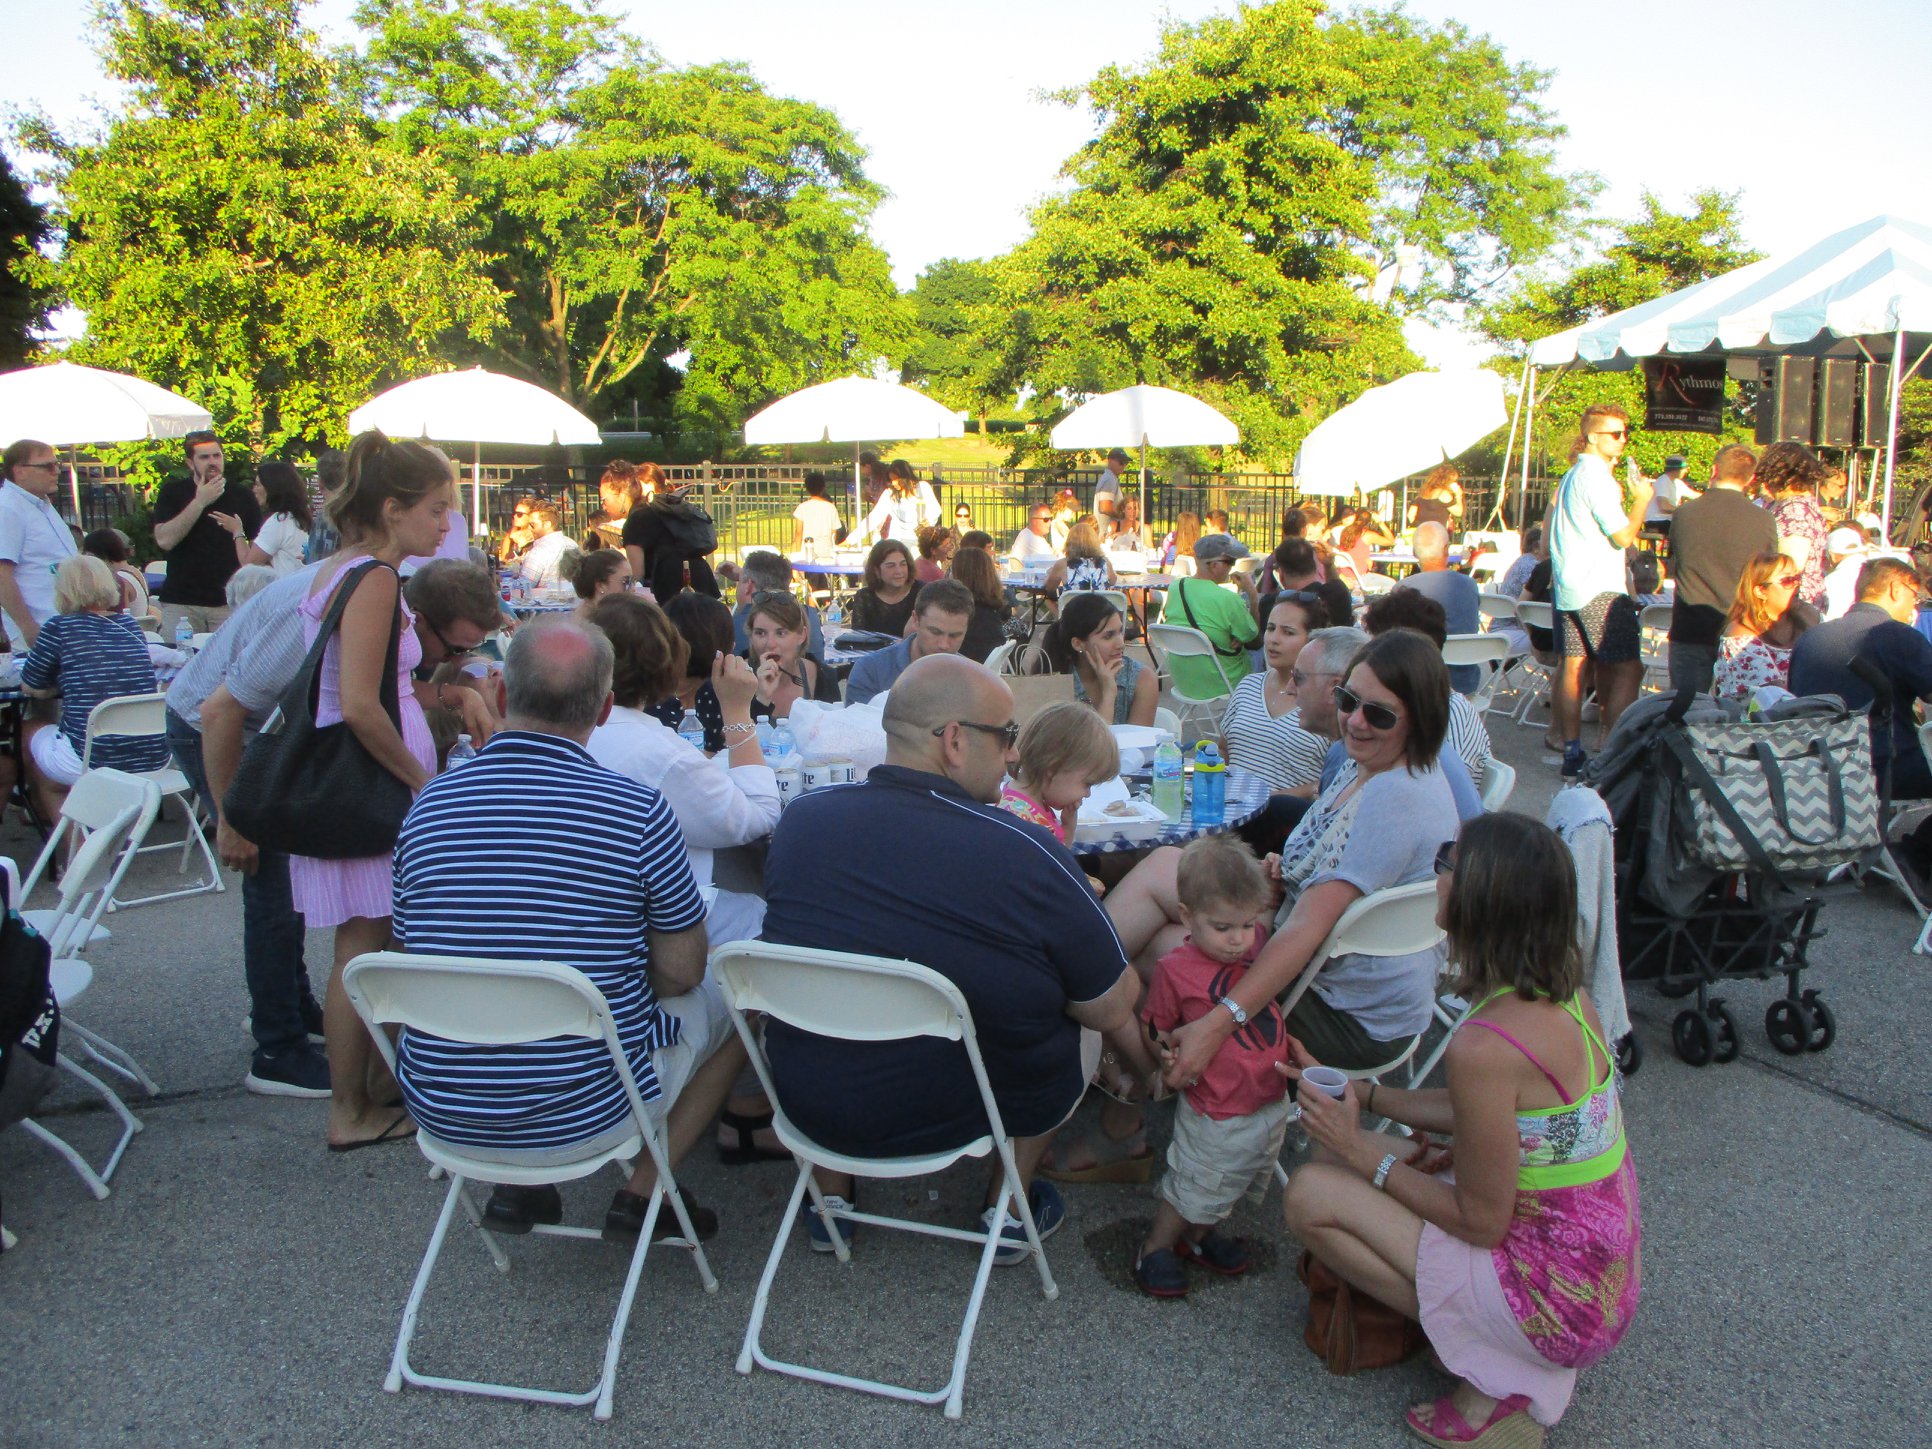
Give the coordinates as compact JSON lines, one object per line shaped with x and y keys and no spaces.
{"x":1009,"y":733}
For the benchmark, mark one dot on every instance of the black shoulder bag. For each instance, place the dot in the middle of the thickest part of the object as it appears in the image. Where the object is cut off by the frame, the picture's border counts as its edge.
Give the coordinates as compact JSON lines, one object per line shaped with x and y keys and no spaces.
{"x":314,"y":790}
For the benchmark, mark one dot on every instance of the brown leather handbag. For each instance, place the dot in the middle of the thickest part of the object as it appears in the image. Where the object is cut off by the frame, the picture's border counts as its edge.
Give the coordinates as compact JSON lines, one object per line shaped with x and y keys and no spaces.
{"x":1347,"y":1329}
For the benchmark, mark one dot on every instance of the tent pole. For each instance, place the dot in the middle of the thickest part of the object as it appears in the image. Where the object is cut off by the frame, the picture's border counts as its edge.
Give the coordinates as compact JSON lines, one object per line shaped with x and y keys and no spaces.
{"x":1516,"y":416}
{"x":858,"y":515}
{"x":1891,"y":436}
{"x":1529,"y":431}
{"x":1143,"y":481}
{"x":73,"y":483}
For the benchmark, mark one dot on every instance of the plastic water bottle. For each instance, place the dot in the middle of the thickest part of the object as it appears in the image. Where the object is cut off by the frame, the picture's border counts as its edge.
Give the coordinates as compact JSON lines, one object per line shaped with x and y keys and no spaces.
{"x":834,"y":619}
{"x":184,"y":635}
{"x":782,"y":742}
{"x":460,"y":753}
{"x":691,"y":729}
{"x":1167,"y":778}
{"x":1210,"y":785}
{"x":782,"y":755}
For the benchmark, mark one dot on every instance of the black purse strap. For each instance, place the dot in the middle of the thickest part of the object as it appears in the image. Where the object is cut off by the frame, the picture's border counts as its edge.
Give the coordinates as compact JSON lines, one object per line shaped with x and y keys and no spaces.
{"x":304,"y":692}
{"x":1188,"y":609}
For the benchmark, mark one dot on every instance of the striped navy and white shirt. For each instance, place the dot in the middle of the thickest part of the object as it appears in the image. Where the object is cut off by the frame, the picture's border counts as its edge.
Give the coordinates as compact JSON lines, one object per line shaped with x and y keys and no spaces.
{"x":92,"y":657}
{"x":1275,"y":747}
{"x":534,"y":851}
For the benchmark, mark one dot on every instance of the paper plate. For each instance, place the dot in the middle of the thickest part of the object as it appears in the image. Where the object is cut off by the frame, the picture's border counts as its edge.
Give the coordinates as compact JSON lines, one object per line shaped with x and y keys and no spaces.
{"x":1137,"y":737}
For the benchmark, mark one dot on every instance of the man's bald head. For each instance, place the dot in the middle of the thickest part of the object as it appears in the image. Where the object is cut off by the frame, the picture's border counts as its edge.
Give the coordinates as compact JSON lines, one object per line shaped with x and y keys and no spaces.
{"x":938,"y":690}
{"x":1431,"y":544}
{"x":557,"y":676}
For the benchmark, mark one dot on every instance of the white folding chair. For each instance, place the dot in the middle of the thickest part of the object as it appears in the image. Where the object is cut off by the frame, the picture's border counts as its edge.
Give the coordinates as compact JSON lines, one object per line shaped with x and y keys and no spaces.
{"x":1534,"y":615}
{"x":1398,"y":921}
{"x":867,"y":998}
{"x":1495,"y":606}
{"x":1373,"y":584}
{"x":999,"y":660}
{"x":1113,"y":596}
{"x":510,"y":1003}
{"x":1177,"y":639}
{"x":1489,"y":652}
{"x":98,"y":797}
{"x":1499,"y":780}
{"x":145,"y":716}
{"x":89,"y":876}
{"x":1166,"y":719}
{"x":1890,"y":868}
{"x":1653,"y":624}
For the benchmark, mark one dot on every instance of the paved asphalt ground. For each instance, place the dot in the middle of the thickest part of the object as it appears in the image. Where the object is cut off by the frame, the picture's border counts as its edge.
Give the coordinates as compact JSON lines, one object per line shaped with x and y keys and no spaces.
{"x":242,"y":1286}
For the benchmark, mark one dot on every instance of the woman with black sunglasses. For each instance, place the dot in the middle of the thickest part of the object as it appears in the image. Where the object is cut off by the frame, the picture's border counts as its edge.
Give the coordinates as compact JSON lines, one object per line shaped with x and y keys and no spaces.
{"x":1376,"y":825}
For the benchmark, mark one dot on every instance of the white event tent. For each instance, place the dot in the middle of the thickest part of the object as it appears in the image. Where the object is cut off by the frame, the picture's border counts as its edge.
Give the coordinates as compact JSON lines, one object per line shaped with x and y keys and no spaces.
{"x":1864,"y":292}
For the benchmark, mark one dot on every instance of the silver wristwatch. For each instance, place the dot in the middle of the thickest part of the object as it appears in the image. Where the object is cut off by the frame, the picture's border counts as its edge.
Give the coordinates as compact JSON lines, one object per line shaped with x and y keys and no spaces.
{"x":1382,"y":1172}
{"x":1240,"y":1016}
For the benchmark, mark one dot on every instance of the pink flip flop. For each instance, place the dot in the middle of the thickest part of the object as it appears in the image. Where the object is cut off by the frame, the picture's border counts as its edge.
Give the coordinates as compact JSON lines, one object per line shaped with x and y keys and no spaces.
{"x":1509,"y":1426}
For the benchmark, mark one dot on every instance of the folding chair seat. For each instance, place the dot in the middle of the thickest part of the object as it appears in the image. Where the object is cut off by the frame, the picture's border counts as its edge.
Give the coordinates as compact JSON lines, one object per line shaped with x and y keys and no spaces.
{"x":1399,"y":921}
{"x":96,"y":864}
{"x":145,"y":715}
{"x":867,"y":998}
{"x":1499,"y":780}
{"x":508,"y":1003}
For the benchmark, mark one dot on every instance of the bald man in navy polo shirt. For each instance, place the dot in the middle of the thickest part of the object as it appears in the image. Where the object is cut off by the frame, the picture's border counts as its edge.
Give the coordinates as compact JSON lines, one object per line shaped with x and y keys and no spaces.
{"x":920,"y":864}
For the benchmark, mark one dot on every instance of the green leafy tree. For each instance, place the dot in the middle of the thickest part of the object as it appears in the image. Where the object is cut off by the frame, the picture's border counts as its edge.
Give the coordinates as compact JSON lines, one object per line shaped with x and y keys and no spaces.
{"x":24,"y":299}
{"x":1225,"y":227}
{"x":948,"y":305}
{"x":636,"y":212}
{"x":241,"y":233}
{"x":1658,"y":252}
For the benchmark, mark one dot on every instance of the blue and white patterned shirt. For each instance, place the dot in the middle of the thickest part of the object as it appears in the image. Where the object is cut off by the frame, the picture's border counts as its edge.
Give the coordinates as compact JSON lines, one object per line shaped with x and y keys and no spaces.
{"x":92,"y":657}
{"x":534,"y":851}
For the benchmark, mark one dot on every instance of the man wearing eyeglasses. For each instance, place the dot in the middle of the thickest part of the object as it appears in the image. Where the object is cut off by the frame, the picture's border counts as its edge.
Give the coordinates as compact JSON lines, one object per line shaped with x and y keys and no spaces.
{"x":1596,"y":619}
{"x":33,"y":540}
{"x":918,"y":863}
{"x":1033,"y":541}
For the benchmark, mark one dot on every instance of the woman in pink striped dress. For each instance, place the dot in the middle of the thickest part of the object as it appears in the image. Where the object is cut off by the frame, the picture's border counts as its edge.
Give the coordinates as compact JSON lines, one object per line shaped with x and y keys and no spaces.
{"x":395,"y":503}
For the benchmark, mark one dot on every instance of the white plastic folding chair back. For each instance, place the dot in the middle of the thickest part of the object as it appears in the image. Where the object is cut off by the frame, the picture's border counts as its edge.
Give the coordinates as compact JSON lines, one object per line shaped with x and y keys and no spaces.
{"x":1170,"y":640}
{"x":508,"y":1003}
{"x":1398,"y":921}
{"x":1113,"y":596}
{"x":866,"y":999}
{"x":96,"y":802}
{"x":146,"y":716}
{"x":91,"y":871}
{"x":1533,"y":614}
{"x":999,"y":659}
{"x":1653,"y":625}
{"x":1166,"y":719}
{"x":1489,"y":652}
{"x":1499,"y":780}
{"x":1496,"y":606}
{"x":1373,"y":583}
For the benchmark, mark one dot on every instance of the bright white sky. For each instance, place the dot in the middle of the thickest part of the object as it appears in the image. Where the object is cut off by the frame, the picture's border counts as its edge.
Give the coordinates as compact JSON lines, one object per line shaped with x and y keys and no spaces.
{"x":1816,"y":113}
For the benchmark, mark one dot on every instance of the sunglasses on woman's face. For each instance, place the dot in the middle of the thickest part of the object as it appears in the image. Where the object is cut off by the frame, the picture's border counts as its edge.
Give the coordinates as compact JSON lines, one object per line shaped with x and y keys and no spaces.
{"x":1446,"y":858}
{"x":1379,"y":716}
{"x":1786,"y":581}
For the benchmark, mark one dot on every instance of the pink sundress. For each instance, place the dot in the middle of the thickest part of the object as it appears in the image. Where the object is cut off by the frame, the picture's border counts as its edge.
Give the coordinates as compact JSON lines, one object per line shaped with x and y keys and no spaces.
{"x":329,"y":892}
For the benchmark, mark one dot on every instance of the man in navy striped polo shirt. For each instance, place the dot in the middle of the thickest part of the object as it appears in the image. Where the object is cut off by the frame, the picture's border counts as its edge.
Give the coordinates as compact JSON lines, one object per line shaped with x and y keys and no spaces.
{"x":534,"y":851}
{"x":920,"y":863}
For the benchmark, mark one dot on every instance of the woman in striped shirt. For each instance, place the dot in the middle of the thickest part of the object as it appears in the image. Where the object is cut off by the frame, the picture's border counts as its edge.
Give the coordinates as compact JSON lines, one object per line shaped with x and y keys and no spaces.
{"x":87,"y":652}
{"x":1262,"y":723}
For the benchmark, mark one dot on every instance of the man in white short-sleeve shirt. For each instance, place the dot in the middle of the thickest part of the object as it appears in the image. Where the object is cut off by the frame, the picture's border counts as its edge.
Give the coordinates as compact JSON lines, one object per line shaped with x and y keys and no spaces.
{"x":33,"y":539}
{"x":1596,"y":619}
{"x":1106,"y":493}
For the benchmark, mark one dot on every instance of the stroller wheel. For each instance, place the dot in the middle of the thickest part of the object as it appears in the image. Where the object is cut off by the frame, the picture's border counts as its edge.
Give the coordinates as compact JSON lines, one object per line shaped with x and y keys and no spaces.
{"x":1630,"y":1055}
{"x":1723,"y":1034}
{"x":1690,"y":1033}
{"x":1790,"y":1025}
{"x":1676,"y":987}
{"x":1824,"y":1029}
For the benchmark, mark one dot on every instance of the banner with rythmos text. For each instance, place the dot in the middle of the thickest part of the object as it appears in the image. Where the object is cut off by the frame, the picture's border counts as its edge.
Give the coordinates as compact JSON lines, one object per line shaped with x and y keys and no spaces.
{"x":1684,"y":394}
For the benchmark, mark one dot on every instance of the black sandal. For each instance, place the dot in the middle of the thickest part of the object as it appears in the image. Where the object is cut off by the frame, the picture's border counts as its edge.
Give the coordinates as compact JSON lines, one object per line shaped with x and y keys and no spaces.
{"x":748,"y":1151}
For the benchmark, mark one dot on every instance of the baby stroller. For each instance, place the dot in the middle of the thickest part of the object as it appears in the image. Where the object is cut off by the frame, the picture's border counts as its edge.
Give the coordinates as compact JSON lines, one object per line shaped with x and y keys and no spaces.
{"x":1726,"y":830}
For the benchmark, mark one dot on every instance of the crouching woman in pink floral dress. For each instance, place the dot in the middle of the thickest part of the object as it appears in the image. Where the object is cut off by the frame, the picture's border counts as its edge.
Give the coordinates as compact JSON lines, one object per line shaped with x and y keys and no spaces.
{"x":1521,"y":1264}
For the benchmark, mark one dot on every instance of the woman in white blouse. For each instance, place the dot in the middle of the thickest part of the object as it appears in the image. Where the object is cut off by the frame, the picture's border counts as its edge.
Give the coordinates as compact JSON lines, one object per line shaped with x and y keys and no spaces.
{"x":904,"y":508}
{"x":716,"y":808}
{"x":284,"y":533}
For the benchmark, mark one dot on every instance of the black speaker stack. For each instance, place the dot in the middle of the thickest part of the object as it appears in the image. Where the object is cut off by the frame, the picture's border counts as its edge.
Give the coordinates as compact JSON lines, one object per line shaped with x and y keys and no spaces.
{"x":1833,"y":402}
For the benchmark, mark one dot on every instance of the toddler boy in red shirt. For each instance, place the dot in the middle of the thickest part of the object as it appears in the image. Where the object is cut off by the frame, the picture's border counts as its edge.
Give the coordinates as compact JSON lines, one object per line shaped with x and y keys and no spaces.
{"x":1228,"y":1126}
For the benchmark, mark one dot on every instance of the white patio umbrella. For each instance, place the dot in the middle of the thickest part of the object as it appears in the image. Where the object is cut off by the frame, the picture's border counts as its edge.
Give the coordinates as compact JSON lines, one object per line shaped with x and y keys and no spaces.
{"x":1399,"y":428}
{"x":474,"y":407}
{"x":65,"y":405}
{"x":852,"y":410}
{"x":1144,"y":416}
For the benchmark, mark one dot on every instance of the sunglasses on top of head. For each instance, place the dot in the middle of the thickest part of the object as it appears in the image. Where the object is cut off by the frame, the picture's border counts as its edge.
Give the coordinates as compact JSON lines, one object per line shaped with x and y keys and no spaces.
{"x":1379,"y":716}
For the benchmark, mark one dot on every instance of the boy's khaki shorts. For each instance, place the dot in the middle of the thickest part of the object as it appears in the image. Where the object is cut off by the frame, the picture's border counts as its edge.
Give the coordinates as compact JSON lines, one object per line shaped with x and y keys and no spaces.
{"x":1212,"y":1165}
